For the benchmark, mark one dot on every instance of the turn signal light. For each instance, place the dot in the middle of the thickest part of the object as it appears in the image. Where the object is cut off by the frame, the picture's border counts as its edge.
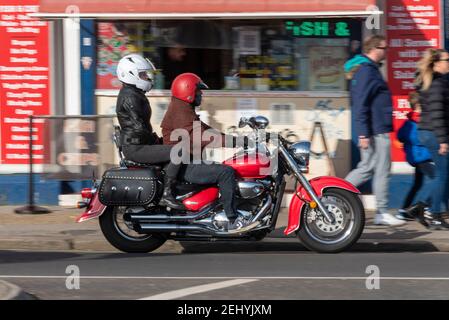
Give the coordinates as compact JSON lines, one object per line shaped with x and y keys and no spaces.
{"x":313,"y":204}
{"x":86,"y":193}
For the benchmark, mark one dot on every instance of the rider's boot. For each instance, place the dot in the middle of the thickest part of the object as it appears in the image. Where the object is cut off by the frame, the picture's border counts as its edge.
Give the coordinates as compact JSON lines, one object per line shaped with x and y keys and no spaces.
{"x":168,"y":200}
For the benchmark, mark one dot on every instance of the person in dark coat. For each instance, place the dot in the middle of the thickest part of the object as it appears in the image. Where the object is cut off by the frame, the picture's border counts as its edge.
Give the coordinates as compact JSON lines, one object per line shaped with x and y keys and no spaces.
{"x":433,"y":88}
{"x":139,"y":142}
{"x":372,"y":109}
{"x":181,"y":118}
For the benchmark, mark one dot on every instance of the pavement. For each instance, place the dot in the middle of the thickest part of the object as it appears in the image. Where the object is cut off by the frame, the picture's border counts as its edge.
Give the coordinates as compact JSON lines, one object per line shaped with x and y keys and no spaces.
{"x":41,"y":235}
{"x":59,"y":231}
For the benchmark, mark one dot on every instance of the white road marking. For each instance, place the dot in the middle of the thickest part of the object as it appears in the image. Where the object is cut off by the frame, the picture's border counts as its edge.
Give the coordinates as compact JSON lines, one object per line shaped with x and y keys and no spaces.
{"x":221,"y":278}
{"x":175,"y":294}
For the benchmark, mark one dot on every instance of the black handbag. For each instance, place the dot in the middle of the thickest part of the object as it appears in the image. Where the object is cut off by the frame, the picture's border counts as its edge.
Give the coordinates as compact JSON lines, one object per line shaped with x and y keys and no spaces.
{"x":128,"y":187}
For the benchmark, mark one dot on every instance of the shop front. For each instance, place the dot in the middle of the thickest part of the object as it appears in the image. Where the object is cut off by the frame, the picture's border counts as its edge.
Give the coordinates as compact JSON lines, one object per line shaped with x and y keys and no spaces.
{"x":280,"y":59}
{"x":283,"y":60}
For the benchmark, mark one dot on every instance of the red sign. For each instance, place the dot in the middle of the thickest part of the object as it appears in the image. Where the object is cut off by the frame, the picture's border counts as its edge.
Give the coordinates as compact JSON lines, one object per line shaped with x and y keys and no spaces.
{"x":24,"y":80}
{"x":412,"y":27}
{"x":182,"y":6}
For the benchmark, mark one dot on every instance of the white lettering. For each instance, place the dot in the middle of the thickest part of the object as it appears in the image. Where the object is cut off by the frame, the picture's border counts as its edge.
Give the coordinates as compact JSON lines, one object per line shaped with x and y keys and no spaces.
{"x":23,"y":103}
{"x":22,"y":60}
{"x":23,"y":77}
{"x":23,"y":43}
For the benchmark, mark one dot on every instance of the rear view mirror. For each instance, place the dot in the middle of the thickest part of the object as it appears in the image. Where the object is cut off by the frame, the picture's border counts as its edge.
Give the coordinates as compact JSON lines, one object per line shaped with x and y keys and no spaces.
{"x":243,"y":122}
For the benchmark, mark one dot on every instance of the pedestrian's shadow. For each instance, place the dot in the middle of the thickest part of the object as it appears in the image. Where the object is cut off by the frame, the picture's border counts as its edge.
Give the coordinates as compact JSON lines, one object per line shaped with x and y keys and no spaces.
{"x":254,"y":247}
{"x":394,"y":234}
{"x":411,"y":230}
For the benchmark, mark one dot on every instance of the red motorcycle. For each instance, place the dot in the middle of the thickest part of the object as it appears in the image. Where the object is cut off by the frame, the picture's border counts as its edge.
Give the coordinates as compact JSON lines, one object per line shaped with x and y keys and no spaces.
{"x":325,"y":213}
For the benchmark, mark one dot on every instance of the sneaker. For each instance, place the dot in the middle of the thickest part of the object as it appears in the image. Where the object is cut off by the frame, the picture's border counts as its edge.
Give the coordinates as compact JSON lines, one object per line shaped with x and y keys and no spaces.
{"x":424,"y":217}
{"x":404,"y":215}
{"x":387,"y":219}
{"x":415,"y":211}
{"x":435,"y":221}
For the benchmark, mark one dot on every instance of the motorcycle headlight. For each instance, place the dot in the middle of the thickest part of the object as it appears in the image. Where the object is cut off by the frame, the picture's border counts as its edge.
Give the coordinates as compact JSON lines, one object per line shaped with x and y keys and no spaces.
{"x":301,"y":152}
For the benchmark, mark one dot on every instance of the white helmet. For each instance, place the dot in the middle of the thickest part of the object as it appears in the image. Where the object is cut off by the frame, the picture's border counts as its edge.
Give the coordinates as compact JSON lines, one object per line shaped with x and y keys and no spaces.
{"x":136,"y":70}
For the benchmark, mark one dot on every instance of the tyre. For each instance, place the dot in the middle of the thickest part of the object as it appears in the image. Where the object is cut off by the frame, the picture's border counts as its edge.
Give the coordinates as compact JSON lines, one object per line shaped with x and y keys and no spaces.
{"x":121,"y":235}
{"x":320,"y":236}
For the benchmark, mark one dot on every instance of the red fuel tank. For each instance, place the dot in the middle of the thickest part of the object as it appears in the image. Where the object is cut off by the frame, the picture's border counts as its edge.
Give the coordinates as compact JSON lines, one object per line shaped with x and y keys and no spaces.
{"x":252,"y":165}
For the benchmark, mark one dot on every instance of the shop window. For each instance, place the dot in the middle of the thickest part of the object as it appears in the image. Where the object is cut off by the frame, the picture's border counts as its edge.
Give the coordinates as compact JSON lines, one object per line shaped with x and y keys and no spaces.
{"x":266,"y":55}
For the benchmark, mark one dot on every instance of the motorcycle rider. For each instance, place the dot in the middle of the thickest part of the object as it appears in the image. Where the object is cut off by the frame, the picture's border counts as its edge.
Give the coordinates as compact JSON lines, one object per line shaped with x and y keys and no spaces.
{"x":139,"y":142}
{"x":186,"y":95}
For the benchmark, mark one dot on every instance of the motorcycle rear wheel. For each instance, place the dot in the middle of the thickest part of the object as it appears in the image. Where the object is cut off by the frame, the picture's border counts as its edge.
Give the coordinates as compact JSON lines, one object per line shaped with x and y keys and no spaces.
{"x":318,"y":235}
{"x":120,"y":234}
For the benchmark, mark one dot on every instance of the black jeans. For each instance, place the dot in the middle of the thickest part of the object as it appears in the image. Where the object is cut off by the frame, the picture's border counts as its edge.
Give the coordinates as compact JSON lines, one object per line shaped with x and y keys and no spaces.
{"x":219,"y":174}
{"x":154,"y":154}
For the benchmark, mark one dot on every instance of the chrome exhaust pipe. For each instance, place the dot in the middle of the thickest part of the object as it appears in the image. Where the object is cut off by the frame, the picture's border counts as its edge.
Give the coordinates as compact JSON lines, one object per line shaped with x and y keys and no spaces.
{"x":153,"y":227}
{"x":263,"y":211}
{"x":131,"y":217}
{"x":166,"y":227}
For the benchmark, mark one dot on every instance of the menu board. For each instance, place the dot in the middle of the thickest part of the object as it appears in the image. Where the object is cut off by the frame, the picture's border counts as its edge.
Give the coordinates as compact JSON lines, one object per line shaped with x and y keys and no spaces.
{"x":24,"y":81}
{"x":412,"y":27}
{"x":325,"y":68}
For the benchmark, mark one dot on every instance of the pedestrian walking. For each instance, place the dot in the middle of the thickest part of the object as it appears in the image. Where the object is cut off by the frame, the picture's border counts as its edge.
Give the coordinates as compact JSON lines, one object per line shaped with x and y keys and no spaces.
{"x":417,"y":156}
{"x":372,"y":109}
{"x":433,"y":88}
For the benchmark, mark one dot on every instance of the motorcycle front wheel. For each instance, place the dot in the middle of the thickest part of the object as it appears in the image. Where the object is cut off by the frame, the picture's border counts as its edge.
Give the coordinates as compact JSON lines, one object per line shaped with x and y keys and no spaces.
{"x":318,"y":234}
{"x":121,"y":235}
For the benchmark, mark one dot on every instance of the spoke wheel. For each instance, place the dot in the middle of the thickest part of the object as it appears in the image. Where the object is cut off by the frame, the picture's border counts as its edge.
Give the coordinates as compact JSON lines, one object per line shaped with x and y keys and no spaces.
{"x":318,"y":234}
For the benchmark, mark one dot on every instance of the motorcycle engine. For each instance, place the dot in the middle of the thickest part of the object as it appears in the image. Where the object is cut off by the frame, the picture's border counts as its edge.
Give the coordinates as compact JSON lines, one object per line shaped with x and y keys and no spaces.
{"x":250,"y":189}
{"x":249,"y":197}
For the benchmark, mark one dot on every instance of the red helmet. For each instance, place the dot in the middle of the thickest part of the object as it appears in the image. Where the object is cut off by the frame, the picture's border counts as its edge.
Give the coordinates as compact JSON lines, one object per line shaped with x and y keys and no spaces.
{"x":185,"y":85}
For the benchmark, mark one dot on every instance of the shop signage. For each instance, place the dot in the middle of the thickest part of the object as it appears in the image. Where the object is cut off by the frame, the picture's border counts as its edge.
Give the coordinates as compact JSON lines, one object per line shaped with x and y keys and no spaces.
{"x":446,"y":23}
{"x":322,"y":28}
{"x":24,"y":80}
{"x":412,"y":27}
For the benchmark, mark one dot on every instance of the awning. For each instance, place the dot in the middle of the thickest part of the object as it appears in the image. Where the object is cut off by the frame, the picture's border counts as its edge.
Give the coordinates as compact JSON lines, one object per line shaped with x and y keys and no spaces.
{"x":204,"y":9}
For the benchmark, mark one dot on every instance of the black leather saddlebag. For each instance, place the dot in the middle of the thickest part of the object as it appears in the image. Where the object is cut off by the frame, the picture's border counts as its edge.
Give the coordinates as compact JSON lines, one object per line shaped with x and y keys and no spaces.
{"x":128,"y":187}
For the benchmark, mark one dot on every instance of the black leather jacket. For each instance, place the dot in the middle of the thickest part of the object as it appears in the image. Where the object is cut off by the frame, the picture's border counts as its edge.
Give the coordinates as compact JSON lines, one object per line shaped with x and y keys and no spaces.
{"x":134,"y":113}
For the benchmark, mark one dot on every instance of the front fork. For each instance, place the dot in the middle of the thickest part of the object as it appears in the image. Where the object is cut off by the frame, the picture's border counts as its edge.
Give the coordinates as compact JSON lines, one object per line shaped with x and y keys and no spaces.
{"x":305,"y":183}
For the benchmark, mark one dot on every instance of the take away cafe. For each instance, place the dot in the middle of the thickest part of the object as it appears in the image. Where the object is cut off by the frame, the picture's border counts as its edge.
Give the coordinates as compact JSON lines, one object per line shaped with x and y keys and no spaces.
{"x":278,"y":59}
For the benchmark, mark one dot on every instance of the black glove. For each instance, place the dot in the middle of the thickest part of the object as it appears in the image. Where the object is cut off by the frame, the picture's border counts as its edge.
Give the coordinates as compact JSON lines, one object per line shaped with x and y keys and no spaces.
{"x":157,"y":139}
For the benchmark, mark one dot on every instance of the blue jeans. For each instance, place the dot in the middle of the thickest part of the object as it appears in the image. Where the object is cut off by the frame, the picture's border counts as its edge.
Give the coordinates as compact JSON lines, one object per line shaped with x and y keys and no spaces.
{"x":422,"y":170}
{"x":436,"y":184}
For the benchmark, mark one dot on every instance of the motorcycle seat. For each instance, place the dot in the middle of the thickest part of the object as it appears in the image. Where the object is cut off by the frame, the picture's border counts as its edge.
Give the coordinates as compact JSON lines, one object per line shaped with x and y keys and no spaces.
{"x":129,"y":163}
